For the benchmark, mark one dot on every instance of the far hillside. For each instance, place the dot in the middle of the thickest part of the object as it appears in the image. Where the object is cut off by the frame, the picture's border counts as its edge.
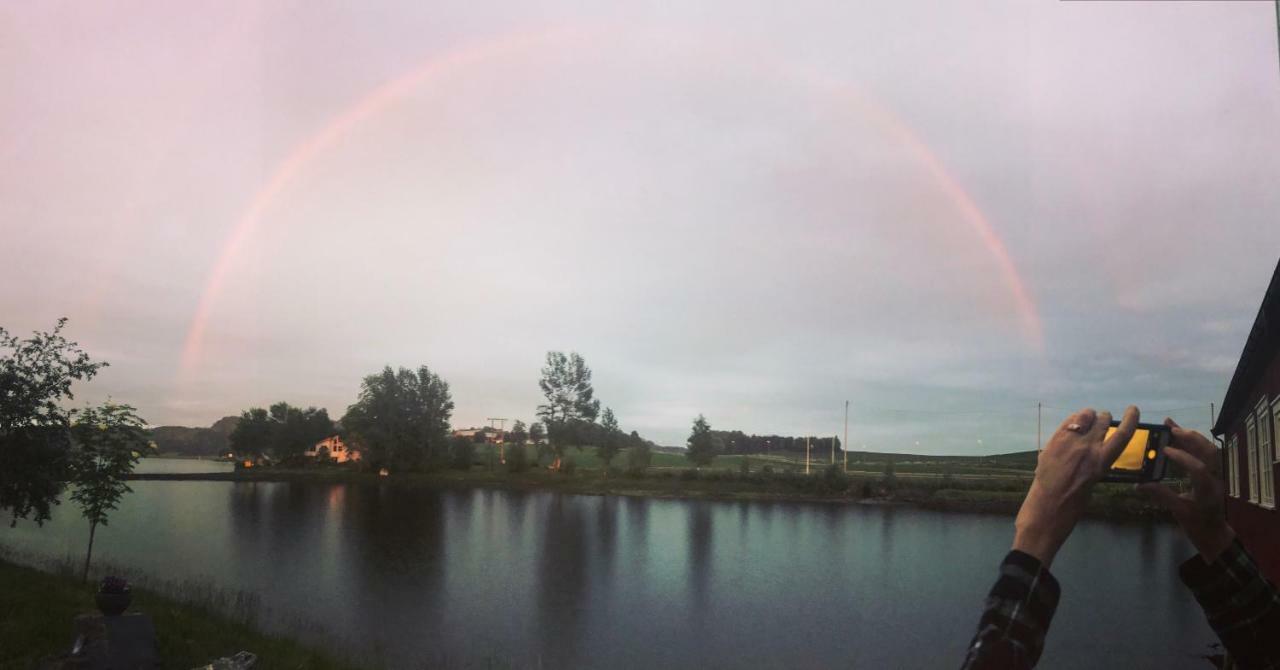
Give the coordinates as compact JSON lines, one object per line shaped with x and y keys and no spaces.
{"x":185,"y":441}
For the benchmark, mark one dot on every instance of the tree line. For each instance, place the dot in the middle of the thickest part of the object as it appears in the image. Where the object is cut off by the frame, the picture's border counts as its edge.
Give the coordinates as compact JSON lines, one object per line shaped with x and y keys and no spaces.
{"x":737,"y":442}
{"x":401,"y":420}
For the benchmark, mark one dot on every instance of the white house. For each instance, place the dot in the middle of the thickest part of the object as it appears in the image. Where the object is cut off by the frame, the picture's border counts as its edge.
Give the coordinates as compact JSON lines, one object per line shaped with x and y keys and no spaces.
{"x":333,"y":447}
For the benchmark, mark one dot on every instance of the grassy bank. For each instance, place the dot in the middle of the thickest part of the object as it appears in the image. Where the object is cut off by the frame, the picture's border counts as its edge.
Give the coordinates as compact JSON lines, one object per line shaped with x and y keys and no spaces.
{"x":37,"y":607}
{"x":948,"y":483}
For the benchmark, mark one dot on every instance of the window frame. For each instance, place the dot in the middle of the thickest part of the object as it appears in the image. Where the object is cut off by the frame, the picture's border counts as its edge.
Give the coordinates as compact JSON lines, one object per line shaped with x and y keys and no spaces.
{"x":1251,"y":455}
{"x":1233,"y":466}
{"x":1266,"y":455}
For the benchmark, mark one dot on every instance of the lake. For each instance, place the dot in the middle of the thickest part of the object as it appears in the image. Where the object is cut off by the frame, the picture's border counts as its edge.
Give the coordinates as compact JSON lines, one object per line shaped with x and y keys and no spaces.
{"x":456,"y":578}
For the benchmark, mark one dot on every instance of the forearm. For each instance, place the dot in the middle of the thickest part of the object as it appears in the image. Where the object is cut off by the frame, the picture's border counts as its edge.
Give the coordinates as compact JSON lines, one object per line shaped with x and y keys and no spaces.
{"x":1241,"y":605}
{"x":1018,"y":610}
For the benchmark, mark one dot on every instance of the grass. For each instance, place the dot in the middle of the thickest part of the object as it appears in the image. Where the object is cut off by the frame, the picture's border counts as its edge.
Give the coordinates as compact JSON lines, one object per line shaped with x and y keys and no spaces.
{"x":37,"y":608}
{"x":985,"y":484}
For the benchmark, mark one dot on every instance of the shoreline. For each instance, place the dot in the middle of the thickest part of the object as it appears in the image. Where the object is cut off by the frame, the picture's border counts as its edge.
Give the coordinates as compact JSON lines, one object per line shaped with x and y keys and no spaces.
{"x":189,"y":632}
{"x":1001,"y":497}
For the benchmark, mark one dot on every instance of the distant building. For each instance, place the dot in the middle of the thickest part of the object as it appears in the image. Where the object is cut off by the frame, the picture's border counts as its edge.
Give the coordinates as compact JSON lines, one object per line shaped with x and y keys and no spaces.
{"x":333,"y":447}
{"x":487,"y":434}
{"x":1249,"y":426}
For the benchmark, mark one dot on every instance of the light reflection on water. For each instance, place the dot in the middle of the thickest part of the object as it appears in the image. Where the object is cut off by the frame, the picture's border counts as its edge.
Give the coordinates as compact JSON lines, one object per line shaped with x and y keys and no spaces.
{"x":580,"y":581}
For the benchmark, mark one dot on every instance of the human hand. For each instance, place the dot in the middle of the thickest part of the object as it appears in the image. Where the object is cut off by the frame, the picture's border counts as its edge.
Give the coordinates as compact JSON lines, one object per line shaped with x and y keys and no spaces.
{"x":1200,"y":512}
{"x":1075,"y":458}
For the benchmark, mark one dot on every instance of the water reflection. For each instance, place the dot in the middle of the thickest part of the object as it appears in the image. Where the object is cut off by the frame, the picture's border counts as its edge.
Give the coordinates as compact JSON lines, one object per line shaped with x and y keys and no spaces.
{"x":699,"y":543}
{"x":522,"y":579}
{"x":562,"y":574}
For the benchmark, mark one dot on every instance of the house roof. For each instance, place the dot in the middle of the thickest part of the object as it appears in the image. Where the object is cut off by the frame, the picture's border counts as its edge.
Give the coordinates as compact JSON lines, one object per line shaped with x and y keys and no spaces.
{"x":1259,"y":350}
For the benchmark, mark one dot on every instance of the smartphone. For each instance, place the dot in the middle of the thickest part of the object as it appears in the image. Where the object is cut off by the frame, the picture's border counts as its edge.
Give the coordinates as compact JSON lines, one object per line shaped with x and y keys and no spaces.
{"x":1143,"y":458}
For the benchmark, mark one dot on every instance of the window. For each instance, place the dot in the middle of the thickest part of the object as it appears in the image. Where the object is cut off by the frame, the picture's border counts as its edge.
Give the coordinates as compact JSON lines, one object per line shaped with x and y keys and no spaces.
{"x":1275,"y":428}
{"x":1233,"y":467}
{"x":1266,"y":455}
{"x":1251,"y":444}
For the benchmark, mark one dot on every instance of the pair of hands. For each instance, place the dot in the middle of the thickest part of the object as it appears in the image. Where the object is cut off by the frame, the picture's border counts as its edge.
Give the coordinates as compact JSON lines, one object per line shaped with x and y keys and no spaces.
{"x":1075,"y":459}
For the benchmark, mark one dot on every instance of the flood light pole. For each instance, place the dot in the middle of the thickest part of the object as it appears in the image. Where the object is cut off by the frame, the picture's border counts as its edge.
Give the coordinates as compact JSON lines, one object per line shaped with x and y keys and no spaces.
{"x":1038,"y":407}
{"x":844,"y":446}
{"x":502,"y":438}
{"x":807,"y":452}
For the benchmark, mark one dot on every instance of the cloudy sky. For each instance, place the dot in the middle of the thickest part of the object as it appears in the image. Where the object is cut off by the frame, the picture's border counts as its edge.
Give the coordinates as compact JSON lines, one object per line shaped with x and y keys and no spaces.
{"x":941,"y":212}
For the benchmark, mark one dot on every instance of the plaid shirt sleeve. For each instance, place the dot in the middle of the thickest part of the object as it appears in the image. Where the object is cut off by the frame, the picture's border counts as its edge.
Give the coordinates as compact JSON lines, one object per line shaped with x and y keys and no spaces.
{"x":1242,"y":606}
{"x":1017,"y":615}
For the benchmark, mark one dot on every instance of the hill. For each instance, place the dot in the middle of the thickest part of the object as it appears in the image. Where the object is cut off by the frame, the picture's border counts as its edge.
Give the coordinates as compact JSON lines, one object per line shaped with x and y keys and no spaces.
{"x":185,"y":441}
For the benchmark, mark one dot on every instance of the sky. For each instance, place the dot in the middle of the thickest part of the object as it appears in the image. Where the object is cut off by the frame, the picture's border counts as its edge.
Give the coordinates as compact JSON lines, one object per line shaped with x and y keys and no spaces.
{"x":943,"y":213}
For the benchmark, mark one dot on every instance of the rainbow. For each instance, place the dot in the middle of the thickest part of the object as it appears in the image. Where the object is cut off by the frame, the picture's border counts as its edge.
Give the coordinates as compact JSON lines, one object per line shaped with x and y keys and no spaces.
{"x":521,"y":44}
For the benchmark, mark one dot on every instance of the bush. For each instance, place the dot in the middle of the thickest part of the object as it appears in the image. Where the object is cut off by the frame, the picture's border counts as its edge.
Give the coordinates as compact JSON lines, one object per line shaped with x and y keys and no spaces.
{"x":568,"y":466}
{"x":744,"y":468}
{"x":834,"y":479}
{"x":613,"y":472}
{"x":461,"y":452}
{"x":688,"y":475}
{"x":517,"y":459}
{"x":890,"y":480}
{"x":635,"y":473}
{"x":766,"y":470}
{"x":639,"y":457}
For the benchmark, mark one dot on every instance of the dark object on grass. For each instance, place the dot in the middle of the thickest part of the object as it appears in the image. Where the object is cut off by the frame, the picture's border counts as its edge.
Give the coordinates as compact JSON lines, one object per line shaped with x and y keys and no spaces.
{"x":104,"y":642}
{"x":241,"y":661}
{"x":113,"y":596}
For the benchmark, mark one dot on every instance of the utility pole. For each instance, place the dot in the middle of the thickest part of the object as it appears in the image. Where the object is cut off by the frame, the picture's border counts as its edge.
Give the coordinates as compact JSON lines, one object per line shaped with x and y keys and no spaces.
{"x":833,"y":449}
{"x":807,"y":451}
{"x":1039,"y":406}
{"x":502,"y":438}
{"x":845,"y":445}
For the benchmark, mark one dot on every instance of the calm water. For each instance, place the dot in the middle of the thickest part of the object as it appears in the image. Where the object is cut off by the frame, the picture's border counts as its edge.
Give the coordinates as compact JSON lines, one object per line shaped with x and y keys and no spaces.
{"x":579,"y":581}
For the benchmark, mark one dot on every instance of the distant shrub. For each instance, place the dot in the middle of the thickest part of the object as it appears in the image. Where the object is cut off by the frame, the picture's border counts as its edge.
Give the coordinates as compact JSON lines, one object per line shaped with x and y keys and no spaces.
{"x":517,"y":459}
{"x":461,"y":452}
{"x":834,"y":479}
{"x":639,"y":457}
{"x":890,"y":479}
{"x":568,"y":466}
{"x":744,"y":468}
{"x":767,"y":470}
{"x":613,"y":472}
{"x":635,"y":473}
{"x":688,"y":474}
{"x":300,"y":461}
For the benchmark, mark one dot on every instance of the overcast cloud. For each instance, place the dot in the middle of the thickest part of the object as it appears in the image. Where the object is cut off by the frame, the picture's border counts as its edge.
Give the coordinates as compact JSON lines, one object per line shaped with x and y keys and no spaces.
{"x":730,"y":208}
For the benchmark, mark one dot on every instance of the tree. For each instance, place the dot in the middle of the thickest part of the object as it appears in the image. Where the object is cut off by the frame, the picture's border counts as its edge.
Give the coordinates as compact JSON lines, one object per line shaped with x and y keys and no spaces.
{"x":566,"y":384}
{"x":35,"y":374}
{"x":297,"y":430}
{"x":516,"y":437}
{"x":890,"y":479}
{"x":254,"y":434}
{"x":610,"y":441}
{"x":282,"y":431}
{"x":701,"y":444}
{"x":108,"y":441}
{"x":639,"y":455}
{"x":402,"y":418}
{"x":519,"y":433}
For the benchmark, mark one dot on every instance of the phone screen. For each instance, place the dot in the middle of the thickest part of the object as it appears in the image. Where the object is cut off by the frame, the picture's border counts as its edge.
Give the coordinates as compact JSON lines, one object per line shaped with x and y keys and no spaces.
{"x":1135,"y":452}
